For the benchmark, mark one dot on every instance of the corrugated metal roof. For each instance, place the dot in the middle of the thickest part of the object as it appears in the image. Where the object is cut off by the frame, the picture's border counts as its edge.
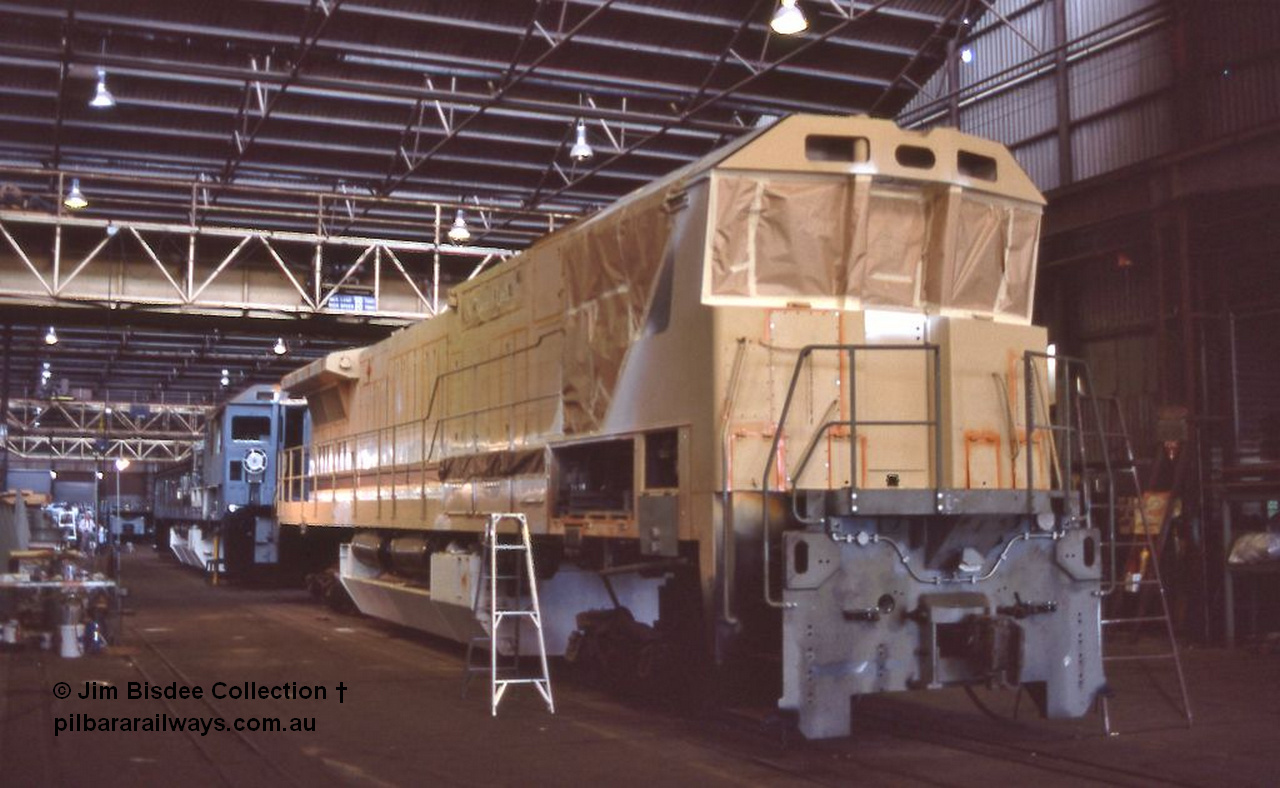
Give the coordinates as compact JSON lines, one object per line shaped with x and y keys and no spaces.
{"x":448,"y":101}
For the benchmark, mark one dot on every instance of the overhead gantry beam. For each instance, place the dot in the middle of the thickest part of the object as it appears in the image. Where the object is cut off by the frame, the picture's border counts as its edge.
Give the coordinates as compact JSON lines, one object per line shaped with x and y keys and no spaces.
{"x":222,"y":270}
{"x":64,"y":429}
{"x":57,"y":447}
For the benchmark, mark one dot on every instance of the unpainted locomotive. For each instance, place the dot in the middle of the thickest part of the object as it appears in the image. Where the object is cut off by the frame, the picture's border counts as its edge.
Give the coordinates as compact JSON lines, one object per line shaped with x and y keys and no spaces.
{"x":787,"y":399}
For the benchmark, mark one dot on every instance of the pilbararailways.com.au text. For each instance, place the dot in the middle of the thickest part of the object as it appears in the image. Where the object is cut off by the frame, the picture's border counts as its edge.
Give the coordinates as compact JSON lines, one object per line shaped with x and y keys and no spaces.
{"x":85,"y":722}
{"x":163,"y":723}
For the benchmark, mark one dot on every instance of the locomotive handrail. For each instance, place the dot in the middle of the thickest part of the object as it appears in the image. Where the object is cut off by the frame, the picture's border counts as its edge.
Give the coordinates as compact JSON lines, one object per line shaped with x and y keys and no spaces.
{"x":1070,"y":375}
{"x":727,"y":534}
{"x":1075,"y":383}
{"x":426,"y":452}
{"x":380,"y":432}
{"x":813,"y":445}
{"x":829,"y":425}
{"x":852,"y":422}
{"x":1072,"y":370}
{"x":432,"y":402}
{"x":440,"y":422}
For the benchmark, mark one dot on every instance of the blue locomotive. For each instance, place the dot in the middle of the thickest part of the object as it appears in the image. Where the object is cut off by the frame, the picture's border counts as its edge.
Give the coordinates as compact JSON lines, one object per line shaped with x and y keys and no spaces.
{"x":217,"y":511}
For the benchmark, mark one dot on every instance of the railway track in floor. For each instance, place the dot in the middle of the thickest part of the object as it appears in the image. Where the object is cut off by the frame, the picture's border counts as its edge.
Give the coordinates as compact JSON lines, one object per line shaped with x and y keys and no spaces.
{"x":202,"y":746}
{"x":860,"y":758}
{"x":835,"y":764}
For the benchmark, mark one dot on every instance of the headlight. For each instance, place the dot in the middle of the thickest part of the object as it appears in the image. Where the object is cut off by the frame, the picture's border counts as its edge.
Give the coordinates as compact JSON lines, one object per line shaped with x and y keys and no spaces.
{"x":255,"y":461}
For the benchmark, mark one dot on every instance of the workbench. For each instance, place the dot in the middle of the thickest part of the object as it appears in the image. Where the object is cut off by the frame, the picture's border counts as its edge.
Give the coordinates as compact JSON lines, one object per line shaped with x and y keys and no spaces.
{"x":1242,"y":484}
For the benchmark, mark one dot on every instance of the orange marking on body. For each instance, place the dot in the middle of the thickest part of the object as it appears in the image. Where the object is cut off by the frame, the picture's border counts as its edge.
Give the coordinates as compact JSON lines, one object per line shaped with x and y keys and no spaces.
{"x":780,"y":467}
{"x":989,"y":437}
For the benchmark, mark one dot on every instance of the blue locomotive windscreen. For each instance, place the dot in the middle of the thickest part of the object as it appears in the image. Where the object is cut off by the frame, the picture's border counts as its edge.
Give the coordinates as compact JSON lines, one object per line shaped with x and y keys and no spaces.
{"x":251,"y":428}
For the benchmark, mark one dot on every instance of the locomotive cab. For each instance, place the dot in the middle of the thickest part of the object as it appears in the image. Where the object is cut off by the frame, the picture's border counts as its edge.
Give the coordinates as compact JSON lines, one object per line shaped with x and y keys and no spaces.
{"x":219,"y":511}
{"x":891,"y":465}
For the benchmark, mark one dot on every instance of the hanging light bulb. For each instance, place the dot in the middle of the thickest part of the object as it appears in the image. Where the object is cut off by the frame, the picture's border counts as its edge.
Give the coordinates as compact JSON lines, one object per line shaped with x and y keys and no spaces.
{"x":102,"y":97}
{"x":122,"y":463}
{"x":966,"y":55}
{"x":788,"y":20}
{"x":280,"y":347}
{"x":75,"y":198}
{"x":51,"y":338}
{"x":53,"y":474}
{"x":459,"y":232}
{"x":226,"y":379}
{"x":581,"y":150}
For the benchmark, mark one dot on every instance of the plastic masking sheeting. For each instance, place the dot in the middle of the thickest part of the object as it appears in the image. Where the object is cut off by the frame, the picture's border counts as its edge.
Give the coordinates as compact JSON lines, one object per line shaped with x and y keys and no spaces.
{"x":610,"y":266}
{"x":879,"y":244}
{"x":891,"y":248}
{"x":802,"y":241}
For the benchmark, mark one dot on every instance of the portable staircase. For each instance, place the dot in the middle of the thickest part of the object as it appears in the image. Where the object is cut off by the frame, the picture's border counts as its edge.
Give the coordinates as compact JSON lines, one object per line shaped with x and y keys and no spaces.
{"x":510,"y":600}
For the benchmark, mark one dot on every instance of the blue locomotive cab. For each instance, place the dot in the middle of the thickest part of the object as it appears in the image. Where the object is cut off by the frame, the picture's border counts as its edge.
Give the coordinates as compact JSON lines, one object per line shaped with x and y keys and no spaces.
{"x":224,"y":503}
{"x":239,"y":463}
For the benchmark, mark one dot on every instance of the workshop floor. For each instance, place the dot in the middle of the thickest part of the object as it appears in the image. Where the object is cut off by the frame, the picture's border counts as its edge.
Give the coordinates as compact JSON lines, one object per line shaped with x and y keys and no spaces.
{"x":404,"y":722}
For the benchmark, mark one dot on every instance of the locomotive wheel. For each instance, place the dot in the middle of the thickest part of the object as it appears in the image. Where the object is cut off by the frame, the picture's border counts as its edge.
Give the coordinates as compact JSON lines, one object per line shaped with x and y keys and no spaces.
{"x":613,"y":650}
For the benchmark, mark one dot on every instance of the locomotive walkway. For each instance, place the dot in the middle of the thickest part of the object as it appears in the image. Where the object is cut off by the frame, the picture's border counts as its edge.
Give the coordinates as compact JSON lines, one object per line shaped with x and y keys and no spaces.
{"x":403,"y":721}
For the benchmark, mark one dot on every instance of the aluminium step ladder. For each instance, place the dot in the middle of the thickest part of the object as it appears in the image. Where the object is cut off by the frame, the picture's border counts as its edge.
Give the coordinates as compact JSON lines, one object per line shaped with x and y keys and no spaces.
{"x":509,"y":609}
{"x":1110,"y":481}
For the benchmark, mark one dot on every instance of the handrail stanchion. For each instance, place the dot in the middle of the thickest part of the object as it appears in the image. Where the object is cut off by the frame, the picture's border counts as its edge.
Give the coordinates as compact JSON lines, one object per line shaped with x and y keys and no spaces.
{"x":1028,"y":396}
{"x":1070,"y":423}
{"x":853,"y":423}
{"x":764,"y":481}
{"x":934,"y":423}
{"x":422,"y":466}
{"x":937,"y":422}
